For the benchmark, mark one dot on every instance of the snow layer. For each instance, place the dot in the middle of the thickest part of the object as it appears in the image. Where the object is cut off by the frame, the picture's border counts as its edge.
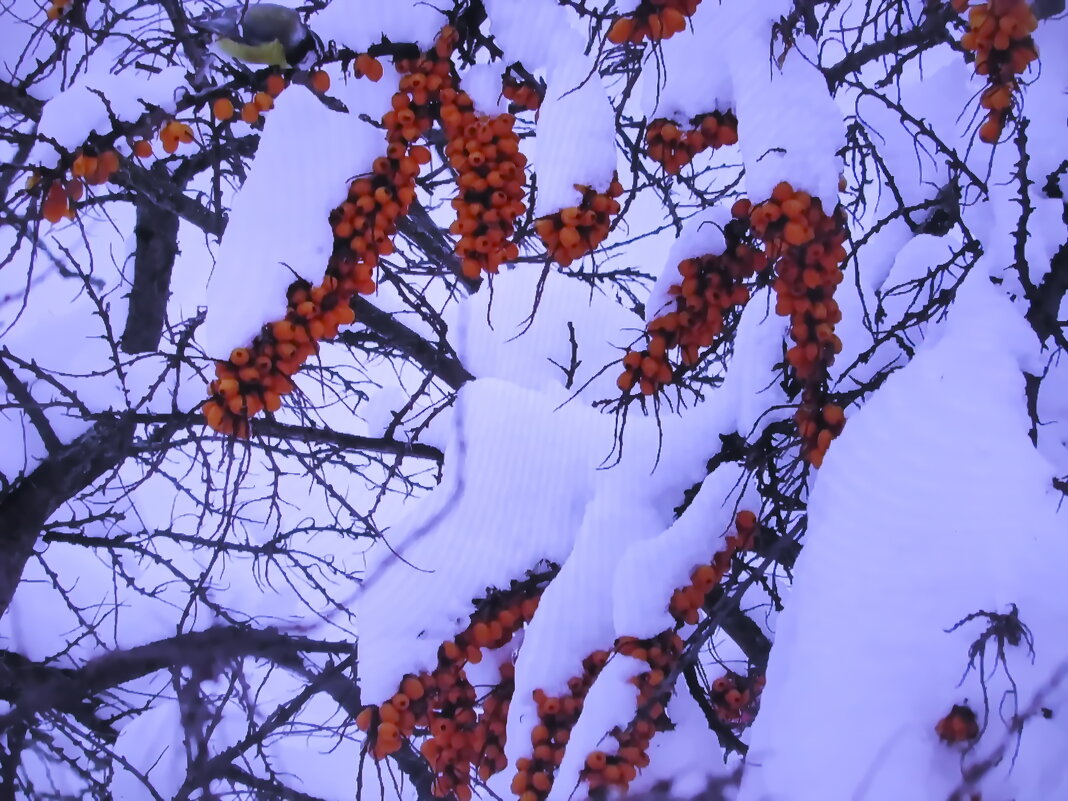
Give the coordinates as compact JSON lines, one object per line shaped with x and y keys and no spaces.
{"x":967,"y":522}
{"x":653,"y":569}
{"x":484,"y":525}
{"x":358,"y":24}
{"x":502,"y":342}
{"x":689,"y":77}
{"x":91,"y":103}
{"x":483,"y":83}
{"x":575,"y":614}
{"x":789,"y":126}
{"x":576,"y":119}
{"x":277,"y":230}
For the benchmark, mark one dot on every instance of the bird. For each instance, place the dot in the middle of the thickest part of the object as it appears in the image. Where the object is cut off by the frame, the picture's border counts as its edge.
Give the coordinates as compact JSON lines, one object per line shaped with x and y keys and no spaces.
{"x":260,"y":33}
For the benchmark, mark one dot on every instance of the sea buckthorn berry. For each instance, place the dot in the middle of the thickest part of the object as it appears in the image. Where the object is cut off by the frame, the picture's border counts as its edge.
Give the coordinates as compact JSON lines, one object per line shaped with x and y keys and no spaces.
{"x":674,"y":148}
{"x":571,"y":233}
{"x":654,"y":20}
{"x":526,"y":94}
{"x":250,"y":113}
{"x":56,"y":203}
{"x":808,"y":245}
{"x":275,"y":84}
{"x":705,"y":302}
{"x":320,"y":82}
{"x":1000,"y":36}
{"x":368,"y":66}
{"x":222,"y":109}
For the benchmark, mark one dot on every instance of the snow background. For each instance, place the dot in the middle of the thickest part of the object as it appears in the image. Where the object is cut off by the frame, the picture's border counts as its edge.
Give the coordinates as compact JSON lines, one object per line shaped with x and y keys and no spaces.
{"x":933,"y":504}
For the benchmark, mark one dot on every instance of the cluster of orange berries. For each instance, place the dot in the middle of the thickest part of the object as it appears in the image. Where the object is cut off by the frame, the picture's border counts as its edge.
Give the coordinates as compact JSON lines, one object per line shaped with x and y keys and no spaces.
{"x":63,"y":193}
{"x":734,"y":698}
{"x":255,"y":378}
{"x":490,"y":176}
{"x":674,"y":148}
{"x":809,"y":245}
{"x":493,"y":724}
{"x":527,"y":95}
{"x":1000,"y":36}
{"x":654,"y":20}
{"x":662,"y":652}
{"x":365,"y":224}
{"x":224,"y":109}
{"x":427,"y":92}
{"x":444,"y":701}
{"x":175,"y":133}
{"x":571,"y":233}
{"x":712,"y":288}
{"x":171,"y":135}
{"x":556,"y":717}
{"x":959,"y":725}
{"x":686,"y":602}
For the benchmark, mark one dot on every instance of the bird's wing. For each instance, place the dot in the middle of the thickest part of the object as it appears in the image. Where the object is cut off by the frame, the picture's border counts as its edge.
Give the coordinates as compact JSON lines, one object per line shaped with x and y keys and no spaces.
{"x":258,"y":30}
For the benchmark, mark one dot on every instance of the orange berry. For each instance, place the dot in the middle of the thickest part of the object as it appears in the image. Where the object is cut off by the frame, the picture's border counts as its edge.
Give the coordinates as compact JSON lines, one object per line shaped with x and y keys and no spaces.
{"x":142,"y":148}
{"x":222,"y":109}
{"x":55,"y":205}
{"x":275,"y":85}
{"x":366,"y":716}
{"x":745,"y":520}
{"x":990,"y":131}
{"x":320,"y":82}
{"x":783,"y":191}
{"x":369,"y":66}
{"x":250,"y":113}
{"x":621,"y":30}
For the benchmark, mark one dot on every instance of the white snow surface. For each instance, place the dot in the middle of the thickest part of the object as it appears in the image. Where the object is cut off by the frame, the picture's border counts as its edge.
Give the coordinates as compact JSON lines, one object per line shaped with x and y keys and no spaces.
{"x":91,"y":102}
{"x":278,"y":229}
{"x":689,"y":77}
{"x":483,"y":83}
{"x":358,"y":24}
{"x":611,"y":702}
{"x":575,"y":616}
{"x":576,"y":118}
{"x":653,"y":569}
{"x":965,"y":524}
{"x":484,"y":525}
{"x":574,"y":122}
{"x":503,"y":342}
{"x":789,"y":126}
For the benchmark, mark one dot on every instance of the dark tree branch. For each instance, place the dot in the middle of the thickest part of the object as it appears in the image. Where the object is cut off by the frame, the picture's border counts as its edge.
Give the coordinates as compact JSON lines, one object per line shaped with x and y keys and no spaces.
{"x":18,"y":100}
{"x":21,"y":393}
{"x":434,"y":359}
{"x":33,"y":688}
{"x":418,"y":227}
{"x":932,"y":31}
{"x":748,"y":636}
{"x":30,"y":502}
{"x":163,"y":193}
{"x":392,"y":447}
{"x":156,"y":231}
